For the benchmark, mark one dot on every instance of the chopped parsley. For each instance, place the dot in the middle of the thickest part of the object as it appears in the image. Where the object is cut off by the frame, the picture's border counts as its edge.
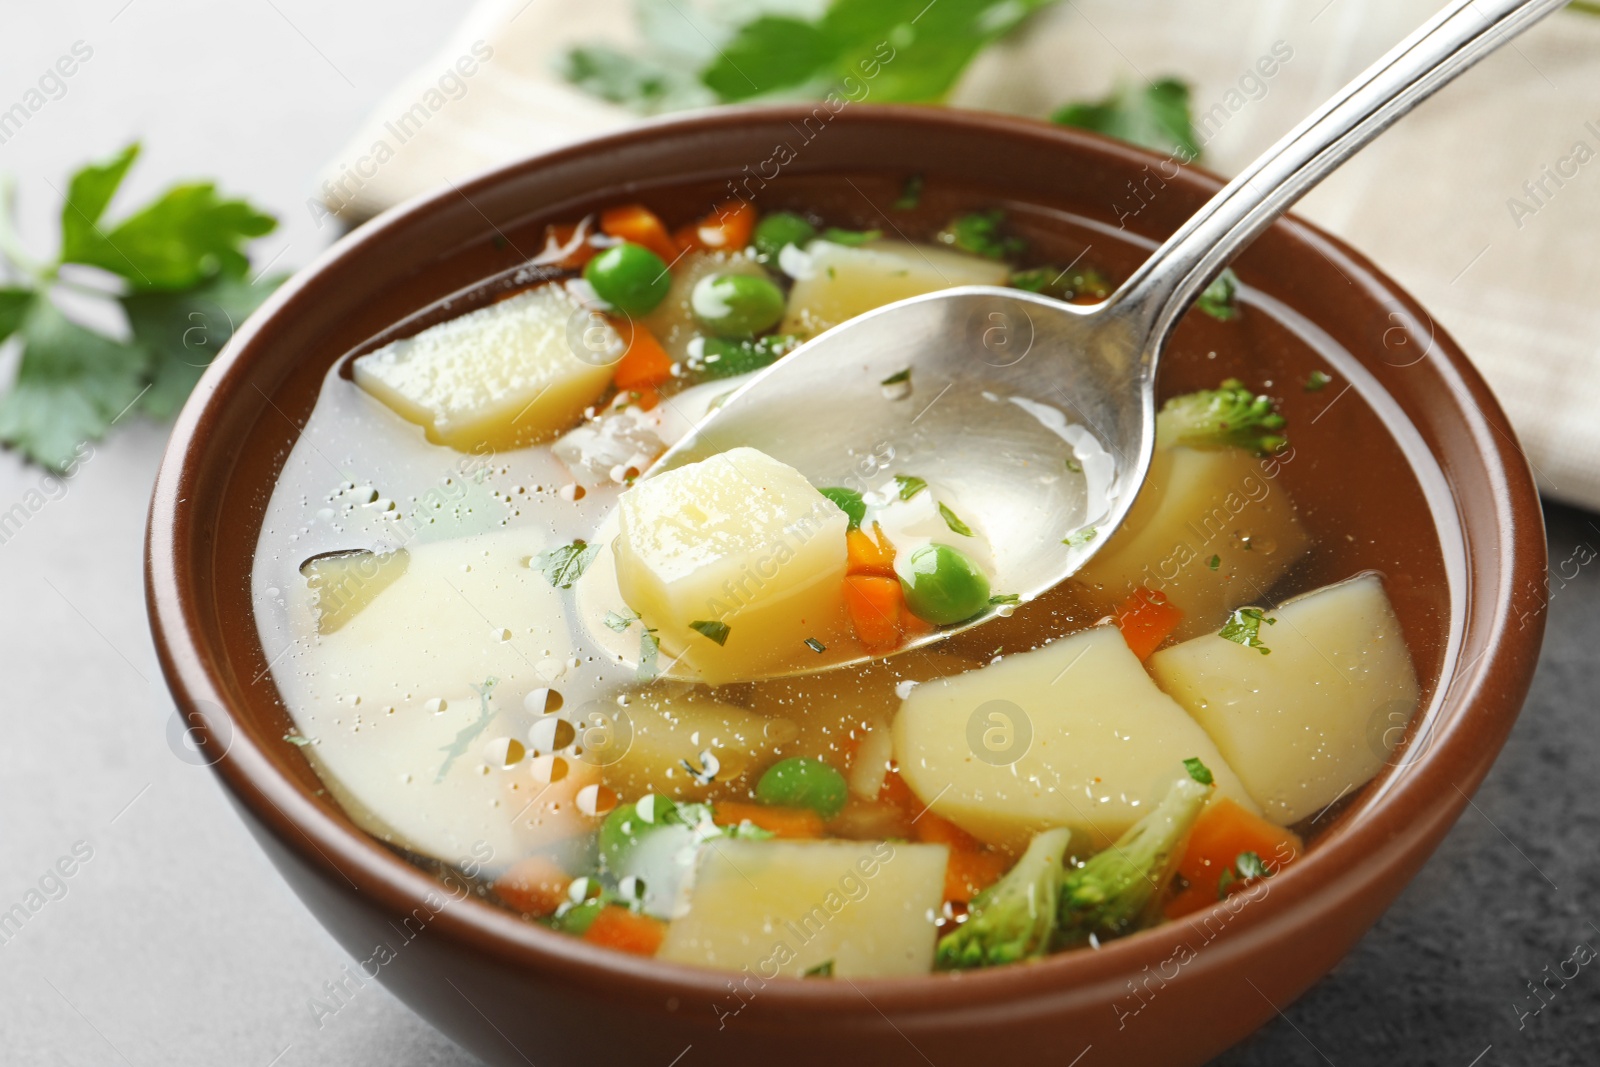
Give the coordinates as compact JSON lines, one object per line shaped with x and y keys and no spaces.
{"x":1199,"y":771}
{"x":1074,"y":466}
{"x":1214,"y":562}
{"x":909,"y":485}
{"x":1061,"y":284}
{"x":1246,"y":866}
{"x":952,"y":520}
{"x":298,"y":740}
{"x":565,"y":564}
{"x":821,"y":970}
{"x":910,"y":194}
{"x":649,"y":653}
{"x":1079,"y":538}
{"x":1005,"y":598}
{"x":1218,"y":299}
{"x":469,"y":733}
{"x":849,"y":501}
{"x":816,"y":646}
{"x":899,"y":377}
{"x":1317,"y":381}
{"x":1244,"y":628}
{"x":620,"y":623}
{"x":712,"y":630}
{"x":981,"y":233}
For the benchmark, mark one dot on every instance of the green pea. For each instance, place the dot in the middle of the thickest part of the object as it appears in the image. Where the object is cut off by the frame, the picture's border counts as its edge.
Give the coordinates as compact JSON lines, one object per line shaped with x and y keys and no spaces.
{"x":801,"y":782}
{"x":736,"y":306}
{"x":942,"y":584}
{"x":629,"y":277}
{"x":778,"y":229}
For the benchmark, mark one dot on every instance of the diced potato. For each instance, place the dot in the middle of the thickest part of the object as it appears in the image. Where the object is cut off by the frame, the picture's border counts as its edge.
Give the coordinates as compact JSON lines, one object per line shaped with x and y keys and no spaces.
{"x":1318,"y":716}
{"x":1197,"y":506}
{"x":343,"y":583}
{"x":1073,"y":734}
{"x":673,"y":322}
{"x":842,"y":282}
{"x":501,"y":376}
{"x":672,"y":734}
{"x":784,"y":907}
{"x":740,"y":541}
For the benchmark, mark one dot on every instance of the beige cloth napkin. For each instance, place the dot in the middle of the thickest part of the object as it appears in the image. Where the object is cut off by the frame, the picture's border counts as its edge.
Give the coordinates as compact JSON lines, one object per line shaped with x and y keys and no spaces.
{"x":1484,"y":203}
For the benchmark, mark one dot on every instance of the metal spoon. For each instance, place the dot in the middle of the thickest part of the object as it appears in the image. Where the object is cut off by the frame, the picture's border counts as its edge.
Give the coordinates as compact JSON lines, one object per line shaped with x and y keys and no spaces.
{"x":987,"y":365}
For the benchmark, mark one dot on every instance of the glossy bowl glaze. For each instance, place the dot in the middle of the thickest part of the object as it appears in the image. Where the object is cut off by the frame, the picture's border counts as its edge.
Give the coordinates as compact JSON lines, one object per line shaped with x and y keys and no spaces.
{"x":1462,"y":508}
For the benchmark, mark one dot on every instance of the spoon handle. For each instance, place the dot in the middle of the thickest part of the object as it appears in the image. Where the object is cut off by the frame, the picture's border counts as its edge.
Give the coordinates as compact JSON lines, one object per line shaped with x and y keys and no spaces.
{"x":1158,"y":293}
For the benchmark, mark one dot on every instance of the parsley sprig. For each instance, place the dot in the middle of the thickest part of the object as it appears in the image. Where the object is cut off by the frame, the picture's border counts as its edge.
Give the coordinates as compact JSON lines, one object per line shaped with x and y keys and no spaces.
{"x":180,"y":277}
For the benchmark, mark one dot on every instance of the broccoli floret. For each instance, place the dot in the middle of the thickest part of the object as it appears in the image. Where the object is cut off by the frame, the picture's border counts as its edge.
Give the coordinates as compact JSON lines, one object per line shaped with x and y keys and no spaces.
{"x":1115,"y":891}
{"x":1014,"y":918}
{"x":1227,"y":416}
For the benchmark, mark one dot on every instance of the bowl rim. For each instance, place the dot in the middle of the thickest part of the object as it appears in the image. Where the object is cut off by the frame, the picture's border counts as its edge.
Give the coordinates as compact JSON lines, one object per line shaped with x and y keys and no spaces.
{"x":1480,"y":702}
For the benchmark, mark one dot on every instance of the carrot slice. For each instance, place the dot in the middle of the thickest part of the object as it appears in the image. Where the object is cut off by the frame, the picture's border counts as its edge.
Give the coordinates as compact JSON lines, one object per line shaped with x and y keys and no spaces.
{"x":535,"y":886}
{"x":930,"y":829}
{"x":875,"y":605}
{"x":559,"y":236}
{"x":970,"y":873}
{"x":728,"y":227}
{"x":687,"y":238}
{"x":1146,"y":619}
{"x":1223,"y":831}
{"x":638,"y":224}
{"x":645,"y":363}
{"x":617,"y":927}
{"x":895,"y":792}
{"x":869,"y":553}
{"x":780,"y":822}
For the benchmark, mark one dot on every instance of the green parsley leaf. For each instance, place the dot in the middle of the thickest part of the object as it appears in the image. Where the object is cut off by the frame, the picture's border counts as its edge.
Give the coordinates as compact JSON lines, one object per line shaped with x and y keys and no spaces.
{"x":981,"y":234}
{"x":565,"y":564}
{"x":1316,"y":382}
{"x":298,"y":740}
{"x":1079,"y":538}
{"x":952,"y":520}
{"x":1227,"y":879}
{"x":181,"y":238}
{"x":619,"y":623}
{"x":850,"y":238}
{"x":1214,"y":562}
{"x":910,"y":194}
{"x":1218,"y":298}
{"x":910,"y":485}
{"x":14,"y":306}
{"x":767,"y":54}
{"x":71,"y":386}
{"x":183,"y":332}
{"x":1006,"y":598}
{"x":649,"y":653}
{"x":1199,"y":771}
{"x":1074,"y":466}
{"x":821,"y":970}
{"x":1067,"y":285}
{"x":1244,"y":628}
{"x":1155,"y":116}
{"x":712,"y":630}
{"x":639,"y":82}
{"x":1249,"y":865}
{"x":849,"y":501}
{"x":899,"y":377}
{"x":816,"y":646}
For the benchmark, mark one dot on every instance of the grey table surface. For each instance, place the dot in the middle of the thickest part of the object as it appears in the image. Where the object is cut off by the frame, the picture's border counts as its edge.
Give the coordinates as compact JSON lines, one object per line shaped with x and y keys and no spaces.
{"x":175,"y":943}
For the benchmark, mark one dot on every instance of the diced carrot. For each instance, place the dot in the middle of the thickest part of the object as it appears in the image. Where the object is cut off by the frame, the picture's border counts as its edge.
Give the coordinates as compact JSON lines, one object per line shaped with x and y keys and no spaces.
{"x":1146,"y":619}
{"x":687,"y":238}
{"x":875,"y":606}
{"x":930,"y":829}
{"x":645,"y":399}
{"x":637,"y":223}
{"x":559,"y":236}
{"x":1223,"y":831}
{"x":895,"y":791}
{"x":970,"y":873}
{"x":780,"y":822}
{"x":535,"y":886}
{"x":645,"y":363}
{"x":617,"y":927}
{"x":869,"y":553}
{"x":728,"y":227}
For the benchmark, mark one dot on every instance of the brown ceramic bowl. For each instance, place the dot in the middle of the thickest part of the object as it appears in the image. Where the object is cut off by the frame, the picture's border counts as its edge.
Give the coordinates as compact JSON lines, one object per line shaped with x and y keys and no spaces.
{"x":1418,"y":458}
